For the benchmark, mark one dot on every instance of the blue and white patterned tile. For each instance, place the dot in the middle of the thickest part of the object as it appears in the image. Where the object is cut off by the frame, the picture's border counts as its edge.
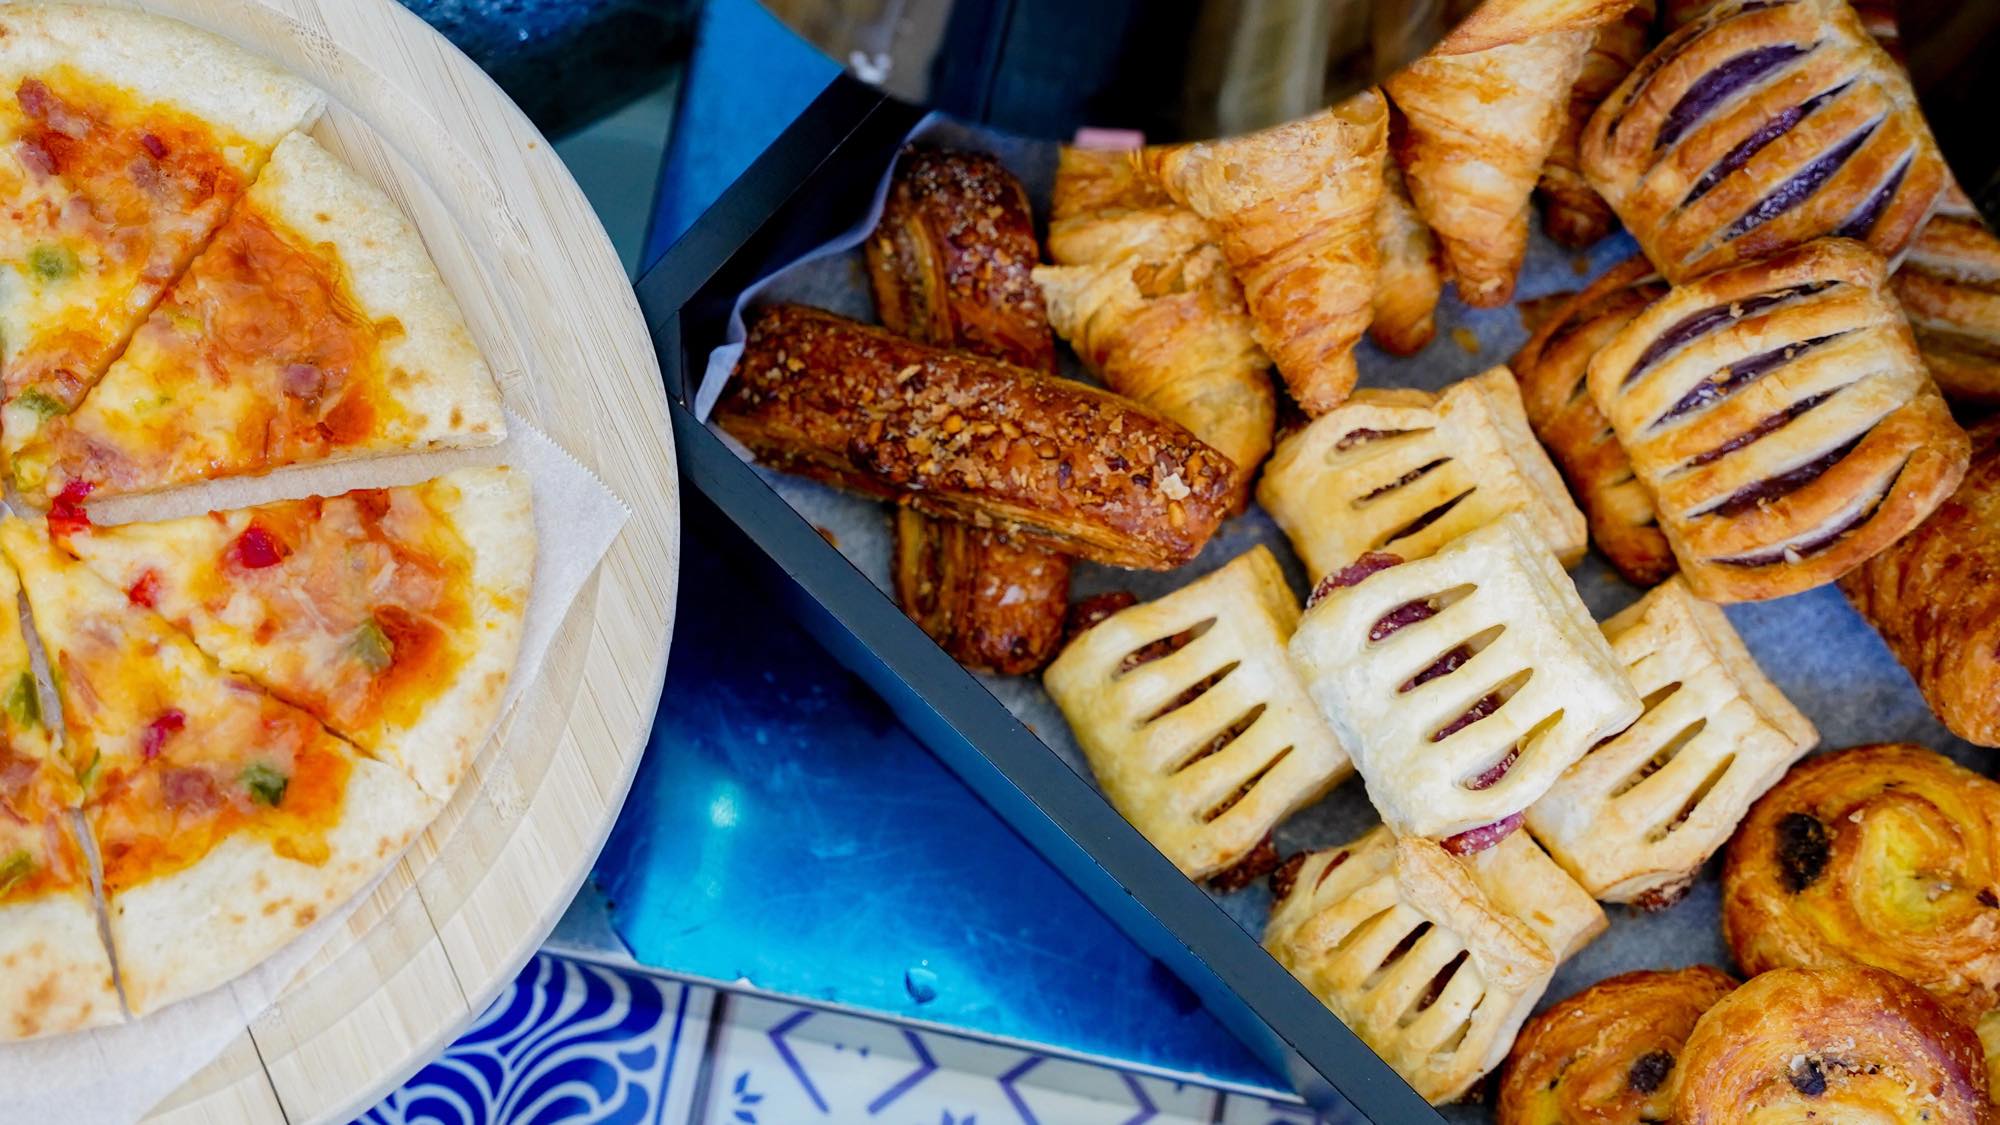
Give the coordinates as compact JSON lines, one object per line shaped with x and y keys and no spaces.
{"x":1244,"y":1109}
{"x":781,"y":1063}
{"x":567,"y":1041}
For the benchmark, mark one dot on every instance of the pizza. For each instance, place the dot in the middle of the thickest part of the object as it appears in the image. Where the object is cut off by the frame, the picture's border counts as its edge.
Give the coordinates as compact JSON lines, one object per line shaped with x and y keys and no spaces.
{"x":313,"y":328}
{"x":125,"y":140}
{"x":391,"y":615}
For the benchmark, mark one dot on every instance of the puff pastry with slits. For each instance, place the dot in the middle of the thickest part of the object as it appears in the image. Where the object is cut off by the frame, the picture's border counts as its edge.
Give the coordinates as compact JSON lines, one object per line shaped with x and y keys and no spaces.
{"x":1501,"y":596}
{"x":1206,"y":778}
{"x":1407,"y":471}
{"x":1433,"y":962}
{"x":1949,"y":286}
{"x":1780,"y":416}
{"x":1638,"y":816}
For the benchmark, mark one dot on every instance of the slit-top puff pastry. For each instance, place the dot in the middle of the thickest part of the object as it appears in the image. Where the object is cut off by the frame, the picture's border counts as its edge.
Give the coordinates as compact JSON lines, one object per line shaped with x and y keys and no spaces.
{"x":1949,"y":286}
{"x":1406,"y":471}
{"x":1761,"y":125}
{"x":1462,"y":684}
{"x":1782,"y":419}
{"x":1432,"y":961}
{"x":1638,"y":816}
{"x":1206,"y":747}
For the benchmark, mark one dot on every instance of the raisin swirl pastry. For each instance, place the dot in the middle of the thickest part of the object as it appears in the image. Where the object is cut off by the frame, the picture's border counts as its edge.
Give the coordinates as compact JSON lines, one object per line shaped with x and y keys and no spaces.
{"x":1761,"y":125}
{"x":1934,"y":597}
{"x":1192,"y":719}
{"x":1462,"y":684}
{"x":1635,"y":819}
{"x":1949,"y":286}
{"x":1432,"y":961}
{"x":1780,"y":416}
{"x":1837,"y":1044}
{"x":1551,"y":368}
{"x":1607,"y":1055}
{"x":1407,"y":471}
{"x":1884,"y":855}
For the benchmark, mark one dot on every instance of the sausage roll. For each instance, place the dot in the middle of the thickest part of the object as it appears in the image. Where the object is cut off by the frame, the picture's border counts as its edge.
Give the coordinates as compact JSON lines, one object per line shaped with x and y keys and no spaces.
{"x":1050,"y":461}
{"x":1949,"y":286}
{"x":1841,"y":1044}
{"x":1462,"y":684}
{"x":1934,"y":597}
{"x":1572,"y":212}
{"x":1884,"y":855}
{"x":1432,"y":961}
{"x":1782,"y":419}
{"x":1194,"y":723}
{"x":1407,"y":471}
{"x":1635,"y":819}
{"x":1409,"y":282}
{"x":1607,"y":1055}
{"x":949,"y":263}
{"x":1761,"y":125}
{"x":1551,"y":368}
{"x":1294,"y":207}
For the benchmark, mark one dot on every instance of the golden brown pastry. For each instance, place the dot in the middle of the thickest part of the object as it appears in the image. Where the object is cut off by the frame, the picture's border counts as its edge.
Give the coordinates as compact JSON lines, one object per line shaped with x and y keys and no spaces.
{"x":1878,"y":16}
{"x":1762,"y":125}
{"x":1294,"y":209}
{"x":1053,"y":462}
{"x":1846,"y":1044}
{"x":993,"y":604}
{"x":1409,"y":283}
{"x":1407,"y":471}
{"x":1572,"y":212}
{"x":1949,"y":286}
{"x":1484,"y":108}
{"x":1782,"y":419}
{"x":1607,"y":1055}
{"x":1192,"y":719}
{"x":1433,"y":961}
{"x":1935,"y":598}
{"x":1551,"y":368}
{"x":1636,"y":819}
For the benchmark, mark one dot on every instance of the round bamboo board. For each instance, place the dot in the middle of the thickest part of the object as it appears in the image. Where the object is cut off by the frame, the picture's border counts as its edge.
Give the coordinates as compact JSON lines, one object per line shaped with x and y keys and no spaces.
{"x":551,"y":307}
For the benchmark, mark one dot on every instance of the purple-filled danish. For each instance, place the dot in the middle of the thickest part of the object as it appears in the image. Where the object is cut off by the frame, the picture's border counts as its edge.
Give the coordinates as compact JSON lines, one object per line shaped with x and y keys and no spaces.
{"x":1761,"y":125}
{"x":1782,"y":419}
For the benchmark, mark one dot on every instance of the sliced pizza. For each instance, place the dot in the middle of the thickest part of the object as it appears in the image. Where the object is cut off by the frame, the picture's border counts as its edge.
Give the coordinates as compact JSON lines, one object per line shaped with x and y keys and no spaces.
{"x":54,"y":973}
{"x":226,"y":821}
{"x":393,"y":615}
{"x":313,"y":328}
{"x":125,"y":140}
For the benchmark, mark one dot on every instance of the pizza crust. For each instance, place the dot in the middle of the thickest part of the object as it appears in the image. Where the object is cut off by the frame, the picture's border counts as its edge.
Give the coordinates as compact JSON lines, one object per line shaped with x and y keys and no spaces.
{"x":54,"y":975}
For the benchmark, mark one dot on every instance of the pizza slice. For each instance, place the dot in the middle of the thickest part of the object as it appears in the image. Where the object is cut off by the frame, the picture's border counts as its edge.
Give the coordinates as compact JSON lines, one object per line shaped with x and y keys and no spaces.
{"x":125,"y":140}
{"x":226,"y":821}
{"x":392,"y":615}
{"x":313,"y":328}
{"x":54,"y":973}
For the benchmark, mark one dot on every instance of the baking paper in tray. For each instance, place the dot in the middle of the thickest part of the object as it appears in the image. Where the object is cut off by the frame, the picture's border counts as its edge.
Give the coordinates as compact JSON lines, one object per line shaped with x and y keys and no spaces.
{"x":1813,"y":645}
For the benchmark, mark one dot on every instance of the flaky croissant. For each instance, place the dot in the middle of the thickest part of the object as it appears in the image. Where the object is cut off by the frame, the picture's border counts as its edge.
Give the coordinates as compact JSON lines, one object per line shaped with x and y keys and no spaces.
{"x":1572,"y":211}
{"x":1294,"y":209}
{"x":1484,"y":108}
{"x":1408,"y":286}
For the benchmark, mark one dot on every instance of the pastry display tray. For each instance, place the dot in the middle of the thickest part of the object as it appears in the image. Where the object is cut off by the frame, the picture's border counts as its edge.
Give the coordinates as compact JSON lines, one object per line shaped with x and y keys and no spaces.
{"x":1004,"y":738}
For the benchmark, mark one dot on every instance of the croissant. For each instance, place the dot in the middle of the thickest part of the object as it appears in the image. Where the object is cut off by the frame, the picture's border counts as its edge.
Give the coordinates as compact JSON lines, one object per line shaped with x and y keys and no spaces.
{"x":1572,"y":212}
{"x":1484,"y":109}
{"x":1408,"y":286}
{"x":1294,"y":208}
{"x":1949,"y":286}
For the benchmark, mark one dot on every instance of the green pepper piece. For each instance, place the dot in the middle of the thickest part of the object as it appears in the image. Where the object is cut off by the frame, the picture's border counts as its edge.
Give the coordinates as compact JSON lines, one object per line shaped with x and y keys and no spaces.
{"x":265,"y":783}
{"x":18,"y":865}
{"x":42,"y":403}
{"x":372,"y":646}
{"x":24,"y":703}
{"x":53,"y":263}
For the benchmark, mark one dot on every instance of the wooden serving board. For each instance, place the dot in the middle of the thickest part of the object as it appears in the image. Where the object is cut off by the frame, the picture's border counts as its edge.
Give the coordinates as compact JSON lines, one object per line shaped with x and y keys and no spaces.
{"x":551,"y":307}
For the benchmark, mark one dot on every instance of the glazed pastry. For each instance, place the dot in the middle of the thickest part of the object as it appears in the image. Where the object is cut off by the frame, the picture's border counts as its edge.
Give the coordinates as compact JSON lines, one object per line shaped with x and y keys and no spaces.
{"x":1294,"y":209}
{"x":1762,"y":125}
{"x":1933,"y":597}
{"x":1409,"y":284}
{"x":949,"y":263}
{"x":1551,"y":367}
{"x":1949,"y":286}
{"x":1635,"y":819}
{"x":1572,"y":212}
{"x":1607,"y":1055}
{"x":1192,"y":720}
{"x":1484,"y":109}
{"x":1782,"y":419}
{"x":1846,"y":1044}
{"x":1411,"y":949}
{"x":1052,"y":462}
{"x":1407,"y":471}
{"x":1462,"y":684}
